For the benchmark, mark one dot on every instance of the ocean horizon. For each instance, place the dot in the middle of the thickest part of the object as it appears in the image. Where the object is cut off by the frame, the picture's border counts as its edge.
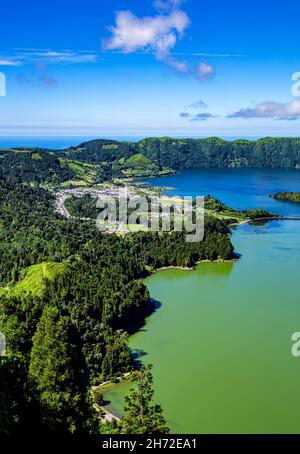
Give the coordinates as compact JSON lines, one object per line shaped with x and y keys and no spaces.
{"x":61,"y":142}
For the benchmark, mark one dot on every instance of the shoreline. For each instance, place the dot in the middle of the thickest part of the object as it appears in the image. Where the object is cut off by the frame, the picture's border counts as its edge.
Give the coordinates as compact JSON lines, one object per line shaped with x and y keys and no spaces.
{"x":192,"y":268}
{"x":108,"y":416}
{"x":110,"y":413}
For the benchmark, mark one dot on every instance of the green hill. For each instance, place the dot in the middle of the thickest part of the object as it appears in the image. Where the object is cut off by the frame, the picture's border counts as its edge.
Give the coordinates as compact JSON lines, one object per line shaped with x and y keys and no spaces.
{"x":179,"y":154}
{"x":102,"y":160}
{"x":287,"y":196}
{"x":33,"y":278}
{"x":35,"y":167}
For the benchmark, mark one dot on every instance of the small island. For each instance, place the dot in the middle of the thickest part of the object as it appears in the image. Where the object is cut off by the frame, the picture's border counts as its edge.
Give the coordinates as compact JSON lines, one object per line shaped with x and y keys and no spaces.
{"x":287,"y":196}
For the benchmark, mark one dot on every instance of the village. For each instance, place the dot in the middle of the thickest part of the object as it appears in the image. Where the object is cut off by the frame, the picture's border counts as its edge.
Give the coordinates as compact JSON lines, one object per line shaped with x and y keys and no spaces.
{"x":132,"y":208}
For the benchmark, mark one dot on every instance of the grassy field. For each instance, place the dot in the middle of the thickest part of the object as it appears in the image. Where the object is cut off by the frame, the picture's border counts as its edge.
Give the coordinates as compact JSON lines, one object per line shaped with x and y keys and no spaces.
{"x":85,"y":173}
{"x":33,"y":278}
{"x":77,"y":183}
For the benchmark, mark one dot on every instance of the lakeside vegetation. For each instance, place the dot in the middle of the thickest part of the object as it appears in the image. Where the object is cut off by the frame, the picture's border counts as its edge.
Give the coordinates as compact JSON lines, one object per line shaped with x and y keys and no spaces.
{"x":178,"y":154}
{"x":288,"y":196}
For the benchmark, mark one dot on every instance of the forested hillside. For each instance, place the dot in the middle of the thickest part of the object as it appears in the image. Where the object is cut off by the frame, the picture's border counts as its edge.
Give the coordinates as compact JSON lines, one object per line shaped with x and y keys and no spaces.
{"x":288,"y":196}
{"x":102,"y":160}
{"x":69,"y":297}
{"x":178,"y":154}
{"x":36,"y":166}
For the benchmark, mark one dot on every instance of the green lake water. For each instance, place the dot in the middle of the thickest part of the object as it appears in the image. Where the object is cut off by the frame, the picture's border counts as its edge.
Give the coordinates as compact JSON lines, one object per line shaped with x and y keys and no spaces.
{"x":221,"y":342}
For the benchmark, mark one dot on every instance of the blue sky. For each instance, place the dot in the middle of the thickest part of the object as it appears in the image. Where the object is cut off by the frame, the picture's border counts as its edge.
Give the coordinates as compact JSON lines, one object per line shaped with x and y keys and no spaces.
{"x":150,"y":67}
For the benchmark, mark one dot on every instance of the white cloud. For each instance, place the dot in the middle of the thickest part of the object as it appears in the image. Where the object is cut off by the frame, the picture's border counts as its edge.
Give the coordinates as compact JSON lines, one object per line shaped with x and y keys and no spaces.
{"x":271,"y":109}
{"x":9,"y":62}
{"x":157,"y":34}
{"x":166,"y":5}
{"x":205,"y":54}
{"x":179,"y":66}
{"x":48,"y":56}
{"x":52,"y":57}
{"x":204,"y":72}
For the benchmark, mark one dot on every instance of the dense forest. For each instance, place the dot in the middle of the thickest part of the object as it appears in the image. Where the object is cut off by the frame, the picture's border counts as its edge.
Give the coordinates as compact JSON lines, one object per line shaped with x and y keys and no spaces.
{"x":37,"y":167}
{"x":179,"y":154}
{"x":288,"y":196}
{"x":69,"y":298}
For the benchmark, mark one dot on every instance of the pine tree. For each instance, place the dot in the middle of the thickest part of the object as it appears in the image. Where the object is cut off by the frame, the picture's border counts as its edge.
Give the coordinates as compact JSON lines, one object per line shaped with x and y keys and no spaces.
{"x":56,"y":374}
{"x":142,"y":416}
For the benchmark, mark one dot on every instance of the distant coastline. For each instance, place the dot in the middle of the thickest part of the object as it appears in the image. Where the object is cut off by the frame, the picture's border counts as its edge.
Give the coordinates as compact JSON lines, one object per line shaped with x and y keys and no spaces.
{"x":60,"y":142}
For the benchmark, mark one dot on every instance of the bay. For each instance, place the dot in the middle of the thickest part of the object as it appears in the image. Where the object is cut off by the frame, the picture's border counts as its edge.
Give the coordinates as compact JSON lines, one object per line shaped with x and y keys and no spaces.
{"x":221,"y":340}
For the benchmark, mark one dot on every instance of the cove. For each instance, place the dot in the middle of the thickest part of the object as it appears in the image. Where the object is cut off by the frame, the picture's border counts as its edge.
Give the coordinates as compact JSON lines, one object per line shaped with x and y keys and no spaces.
{"x":221,"y":340}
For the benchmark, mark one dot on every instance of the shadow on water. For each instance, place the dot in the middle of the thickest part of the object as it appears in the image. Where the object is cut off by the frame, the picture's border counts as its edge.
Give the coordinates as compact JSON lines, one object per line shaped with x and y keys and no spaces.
{"x":137,"y":355}
{"x":259,"y":223}
{"x":156,"y":303}
{"x":138,"y":325}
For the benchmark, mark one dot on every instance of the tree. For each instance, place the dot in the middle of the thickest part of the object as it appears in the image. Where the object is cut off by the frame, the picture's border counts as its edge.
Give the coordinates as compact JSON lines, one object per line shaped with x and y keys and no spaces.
{"x":142,"y":416}
{"x":19,"y":411}
{"x":56,"y":373}
{"x":117,"y":358}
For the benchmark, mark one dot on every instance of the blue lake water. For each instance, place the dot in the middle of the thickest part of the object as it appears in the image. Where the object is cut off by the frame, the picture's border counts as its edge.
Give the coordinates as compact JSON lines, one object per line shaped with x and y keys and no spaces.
{"x":238,"y":188}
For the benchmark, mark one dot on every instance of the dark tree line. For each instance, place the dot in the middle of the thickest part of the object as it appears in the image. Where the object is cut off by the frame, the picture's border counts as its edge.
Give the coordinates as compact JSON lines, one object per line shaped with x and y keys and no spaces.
{"x":179,"y":154}
{"x":287,"y":196}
